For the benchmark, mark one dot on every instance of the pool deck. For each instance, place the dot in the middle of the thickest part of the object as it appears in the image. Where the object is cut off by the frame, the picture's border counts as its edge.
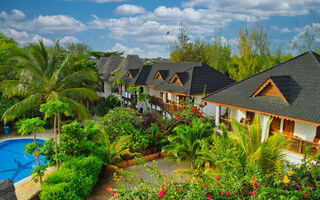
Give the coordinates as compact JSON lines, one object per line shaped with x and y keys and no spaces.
{"x":27,"y":188}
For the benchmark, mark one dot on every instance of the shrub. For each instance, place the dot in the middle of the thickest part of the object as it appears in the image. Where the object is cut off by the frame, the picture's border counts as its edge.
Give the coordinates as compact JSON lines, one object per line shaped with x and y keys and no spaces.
{"x":101,"y":107}
{"x":113,"y":122}
{"x":73,"y":180}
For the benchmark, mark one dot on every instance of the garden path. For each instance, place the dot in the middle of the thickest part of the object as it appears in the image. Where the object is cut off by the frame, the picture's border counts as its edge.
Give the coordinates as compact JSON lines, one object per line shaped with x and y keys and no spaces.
{"x":165,"y":166}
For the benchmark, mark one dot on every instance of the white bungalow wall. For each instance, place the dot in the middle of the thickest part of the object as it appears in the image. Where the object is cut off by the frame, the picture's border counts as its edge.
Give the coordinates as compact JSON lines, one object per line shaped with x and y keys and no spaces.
{"x":305,"y":131}
{"x":302,"y":130}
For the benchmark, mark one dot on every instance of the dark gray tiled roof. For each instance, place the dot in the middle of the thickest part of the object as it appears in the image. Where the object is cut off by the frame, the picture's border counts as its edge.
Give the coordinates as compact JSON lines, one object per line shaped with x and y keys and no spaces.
{"x":107,"y":64}
{"x":299,"y":81}
{"x":196,"y":80}
{"x":130,"y":62}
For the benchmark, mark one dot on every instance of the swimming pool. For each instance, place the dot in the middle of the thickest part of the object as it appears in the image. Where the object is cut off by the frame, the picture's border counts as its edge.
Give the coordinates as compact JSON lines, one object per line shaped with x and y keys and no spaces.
{"x":14,"y":163}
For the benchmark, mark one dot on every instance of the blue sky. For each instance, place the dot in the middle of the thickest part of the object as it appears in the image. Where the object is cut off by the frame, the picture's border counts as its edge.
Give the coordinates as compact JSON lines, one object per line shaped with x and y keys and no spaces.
{"x":141,"y":26}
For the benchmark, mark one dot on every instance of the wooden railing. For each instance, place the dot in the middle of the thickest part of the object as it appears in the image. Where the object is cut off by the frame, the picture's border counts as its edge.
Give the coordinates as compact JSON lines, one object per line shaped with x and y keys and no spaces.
{"x":297,"y":145}
{"x":170,"y":106}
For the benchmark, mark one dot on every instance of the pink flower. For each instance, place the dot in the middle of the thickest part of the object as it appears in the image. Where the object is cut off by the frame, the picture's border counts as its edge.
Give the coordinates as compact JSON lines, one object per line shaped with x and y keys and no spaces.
{"x":306,"y":195}
{"x":201,"y":105}
{"x":256,"y":186}
{"x":312,"y":184}
{"x":210,"y":196}
{"x":208,"y":187}
{"x":116,"y":194}
{"x":299,"y":187}
{"x":253,"y":194}
{"x":162,"y":193}
{"x":228,"y":193}
{"x":218,"y":179}
{"x":253,"y":179}
{"x":178,"y":117}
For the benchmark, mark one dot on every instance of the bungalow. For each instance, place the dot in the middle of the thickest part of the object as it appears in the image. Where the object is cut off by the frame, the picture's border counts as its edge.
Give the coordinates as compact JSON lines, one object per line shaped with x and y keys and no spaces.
{"x":167,"y":83}
{"x":288,"y":93}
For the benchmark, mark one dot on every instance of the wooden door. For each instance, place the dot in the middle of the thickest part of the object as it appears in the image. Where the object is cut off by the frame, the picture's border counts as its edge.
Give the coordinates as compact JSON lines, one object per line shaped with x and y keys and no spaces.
{"x":274,"y":126}
{"x":250,"y":117}
{"x":288,"y":127}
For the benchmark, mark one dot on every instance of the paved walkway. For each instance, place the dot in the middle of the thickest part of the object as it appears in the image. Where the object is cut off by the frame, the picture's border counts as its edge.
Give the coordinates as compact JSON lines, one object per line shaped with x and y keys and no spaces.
{"x":165,"y":166}
{"x":13,"y":134}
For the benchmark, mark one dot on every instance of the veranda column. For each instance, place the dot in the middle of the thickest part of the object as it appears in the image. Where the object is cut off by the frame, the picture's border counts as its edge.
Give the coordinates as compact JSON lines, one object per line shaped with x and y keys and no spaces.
{"x":281,"y":125}
{"x":218,"y":111}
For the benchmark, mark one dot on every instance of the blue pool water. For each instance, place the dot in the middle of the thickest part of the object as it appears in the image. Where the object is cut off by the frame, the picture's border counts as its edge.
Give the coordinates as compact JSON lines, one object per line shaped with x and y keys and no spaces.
{"x":14,"y":163}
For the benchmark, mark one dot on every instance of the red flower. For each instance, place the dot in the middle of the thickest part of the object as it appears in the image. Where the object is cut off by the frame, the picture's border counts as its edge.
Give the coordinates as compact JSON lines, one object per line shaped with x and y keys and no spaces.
{"x":256,"y":186}
{"x":208,"y":187}
{"x":162,"y":193}
{"x":201,"y":105}
{"x":210,"y":196}
{"x":221,"y":192}
{"x":253,"y":194}
{"x":201,"y":116}
{"x":109,"y":189}
{"x":195,"y":110}
{"x":299,"y":187}
{"x":218,"y":179}
{"x":306,"y":195}
{"x":178,"y":117}
{"x":228,"y":193}
{"x":116,"y":194}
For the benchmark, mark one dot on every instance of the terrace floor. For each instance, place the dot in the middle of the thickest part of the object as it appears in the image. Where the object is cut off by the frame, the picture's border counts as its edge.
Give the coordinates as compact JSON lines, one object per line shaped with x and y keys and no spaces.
{"x":165,"y":166}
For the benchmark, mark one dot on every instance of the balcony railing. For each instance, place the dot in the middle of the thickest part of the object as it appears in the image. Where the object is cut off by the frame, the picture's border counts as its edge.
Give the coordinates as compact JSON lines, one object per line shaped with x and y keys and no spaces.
{"x":129,"y":97}
{"x":296,"y":145}
{"x":170,"y":106}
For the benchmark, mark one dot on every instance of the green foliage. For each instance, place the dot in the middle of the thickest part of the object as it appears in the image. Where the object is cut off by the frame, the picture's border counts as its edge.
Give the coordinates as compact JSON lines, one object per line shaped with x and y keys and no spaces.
{"x":27,"y":126}
{"x":185,"y":144}
{"x":116,"y":149}
{"x":99,"y":54}
{"x":6,"y":46}
{"x":102,"y":106}
{"x":51,"y":108}
{"x":39,"y":75}
{"x":79,"y":141}
{"x":73,"y":180}
{"x":113,"y":121}
{"x":5,"y":104}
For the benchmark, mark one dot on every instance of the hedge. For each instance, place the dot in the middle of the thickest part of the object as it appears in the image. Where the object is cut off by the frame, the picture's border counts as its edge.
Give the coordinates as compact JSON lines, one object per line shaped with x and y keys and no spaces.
{"x":73,"y":180}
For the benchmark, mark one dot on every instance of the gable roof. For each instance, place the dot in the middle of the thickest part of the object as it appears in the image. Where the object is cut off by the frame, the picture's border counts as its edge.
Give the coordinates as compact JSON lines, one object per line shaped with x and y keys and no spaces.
{"x":298,"y":79}
{"x":130,"y":62}
{"x":107,"y":64}
{"x":196,"y":80}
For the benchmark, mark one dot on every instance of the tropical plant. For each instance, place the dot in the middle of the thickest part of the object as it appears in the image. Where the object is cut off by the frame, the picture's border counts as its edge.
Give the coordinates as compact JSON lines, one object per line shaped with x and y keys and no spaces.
{"x":114,"y":150}
{"x":56,"y":108}
{"x":253,"y":146}
{"x":34,"y":125}
{"x":103,"y":105}
{"x":142,"y":96}
{"x":118,"y":82}
{"x":38,"y":75}
{"x":184,"y":145}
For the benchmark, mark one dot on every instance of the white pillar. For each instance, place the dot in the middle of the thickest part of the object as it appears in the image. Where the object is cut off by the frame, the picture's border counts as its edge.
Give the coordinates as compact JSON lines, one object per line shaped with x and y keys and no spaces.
{"x":281,"y":125}
{"x":218,"y":111}
{"x":265,"y":129}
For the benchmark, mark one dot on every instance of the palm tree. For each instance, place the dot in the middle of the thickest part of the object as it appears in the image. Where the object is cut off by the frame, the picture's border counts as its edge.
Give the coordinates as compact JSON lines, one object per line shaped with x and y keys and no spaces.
{"x":184,"y":145}
{"x":38,"y":75}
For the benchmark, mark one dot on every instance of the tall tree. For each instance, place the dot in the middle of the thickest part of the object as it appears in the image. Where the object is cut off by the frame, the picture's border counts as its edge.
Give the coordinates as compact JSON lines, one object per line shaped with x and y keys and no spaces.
{"x":254,"y":52}
{"x":39,"y":76}
{"x":305,"y":41}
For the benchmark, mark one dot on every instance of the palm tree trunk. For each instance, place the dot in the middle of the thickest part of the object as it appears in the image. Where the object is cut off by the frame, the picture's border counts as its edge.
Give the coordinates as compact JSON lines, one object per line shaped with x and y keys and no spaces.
{"x":59,"y":133}
{"x":55,"y":137}
{"x":36,"y":152}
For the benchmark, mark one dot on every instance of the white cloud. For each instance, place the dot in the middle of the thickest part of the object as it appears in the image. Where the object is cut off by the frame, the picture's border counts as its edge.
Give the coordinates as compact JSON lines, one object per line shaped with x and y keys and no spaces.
{"x":313,"y":31}
{"x":15,"y":15}
{"x":127,"y":9}
{"x":68,"y":39}
{"x":147,"y":51}
{"x":105,"y":1}
{"x":285,"y":30}
{"x":262,"y":9}
{"x":52,"y":24}
{"x":24,"y":38}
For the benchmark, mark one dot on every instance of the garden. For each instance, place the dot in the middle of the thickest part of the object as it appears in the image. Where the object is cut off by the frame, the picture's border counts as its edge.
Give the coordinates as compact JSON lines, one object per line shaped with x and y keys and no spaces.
{"x":55,"y":88}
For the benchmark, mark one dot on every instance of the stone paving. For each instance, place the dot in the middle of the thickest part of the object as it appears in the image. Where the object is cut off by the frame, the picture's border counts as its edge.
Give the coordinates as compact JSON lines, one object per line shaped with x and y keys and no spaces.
{"x":165,"y":166}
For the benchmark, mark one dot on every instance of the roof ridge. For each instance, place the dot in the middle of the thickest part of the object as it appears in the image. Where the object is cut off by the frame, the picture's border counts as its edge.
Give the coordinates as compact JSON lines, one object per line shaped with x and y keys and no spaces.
{"x":291,"y":59}
{"x":314,"y":57}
